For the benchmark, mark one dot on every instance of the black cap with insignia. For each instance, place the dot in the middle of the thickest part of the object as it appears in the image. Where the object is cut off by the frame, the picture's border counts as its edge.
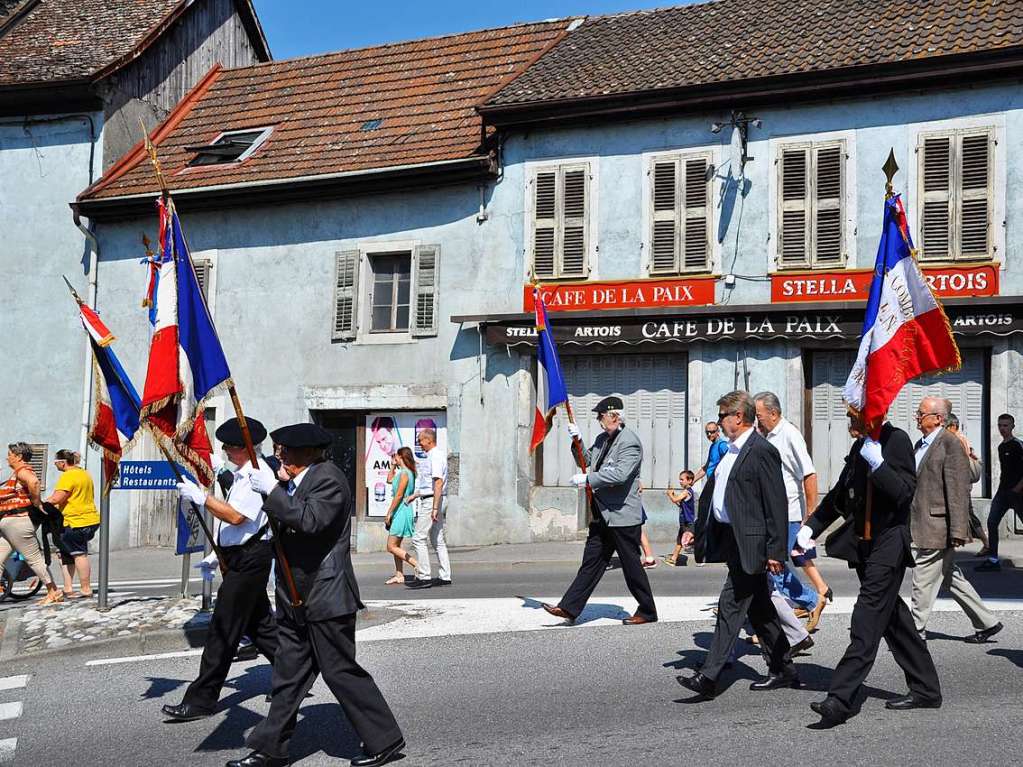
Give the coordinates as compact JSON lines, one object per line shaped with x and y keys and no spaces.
{"x":230,"y":432}
{"x":301,"y":435}
{"x":609,"y":403}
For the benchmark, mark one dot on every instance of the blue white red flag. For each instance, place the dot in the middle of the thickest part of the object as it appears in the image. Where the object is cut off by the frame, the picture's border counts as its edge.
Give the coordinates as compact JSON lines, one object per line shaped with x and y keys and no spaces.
{"x":905,"y":331}
{"x":550,"y":384}
{"x":186,"y":361}
{"x":115,"y":406}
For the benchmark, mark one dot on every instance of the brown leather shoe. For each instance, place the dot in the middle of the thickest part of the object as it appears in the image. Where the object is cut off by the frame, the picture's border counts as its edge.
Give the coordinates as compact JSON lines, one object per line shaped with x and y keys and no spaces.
{"x":637,"y":620}
{"x":815,"y":616}
{"x":557,"y":612}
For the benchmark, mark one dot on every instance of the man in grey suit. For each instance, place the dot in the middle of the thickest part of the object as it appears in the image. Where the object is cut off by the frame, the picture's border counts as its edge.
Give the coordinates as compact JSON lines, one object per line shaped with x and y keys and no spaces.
{"x":939,"y":521}
{"x":743,"y":522}
{"x":314,"y":511}
{"x":617,"y":516}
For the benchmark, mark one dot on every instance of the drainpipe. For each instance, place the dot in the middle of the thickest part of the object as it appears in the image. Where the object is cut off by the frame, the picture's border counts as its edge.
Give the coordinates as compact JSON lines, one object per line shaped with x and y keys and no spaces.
{"x":83,"y":442}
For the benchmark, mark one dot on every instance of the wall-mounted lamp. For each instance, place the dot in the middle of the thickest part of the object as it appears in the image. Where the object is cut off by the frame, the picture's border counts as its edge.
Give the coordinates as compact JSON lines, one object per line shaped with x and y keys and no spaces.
{"x":741,"y":122}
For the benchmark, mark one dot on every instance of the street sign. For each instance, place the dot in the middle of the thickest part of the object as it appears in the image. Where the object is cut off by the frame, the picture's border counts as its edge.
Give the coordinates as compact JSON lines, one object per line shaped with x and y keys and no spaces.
{"x":148,"y":475}
{"x":190,"y":537}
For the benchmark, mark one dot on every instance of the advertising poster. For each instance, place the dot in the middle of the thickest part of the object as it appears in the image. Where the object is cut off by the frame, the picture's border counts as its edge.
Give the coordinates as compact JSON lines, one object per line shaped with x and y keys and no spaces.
{"x":385,"y":433}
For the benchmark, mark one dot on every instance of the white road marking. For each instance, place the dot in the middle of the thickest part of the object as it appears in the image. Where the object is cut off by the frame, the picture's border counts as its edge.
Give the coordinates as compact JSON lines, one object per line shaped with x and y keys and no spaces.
{"x":452,"y":617}
{"x":136,"y":658}
{"x":7,"y":747}
{"x":13,"y":682}
{"x":10,"y":710}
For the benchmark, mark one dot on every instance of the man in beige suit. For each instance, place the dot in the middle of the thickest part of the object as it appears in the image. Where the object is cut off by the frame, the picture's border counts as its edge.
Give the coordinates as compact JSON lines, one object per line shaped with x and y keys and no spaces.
{"x":940,"y":521}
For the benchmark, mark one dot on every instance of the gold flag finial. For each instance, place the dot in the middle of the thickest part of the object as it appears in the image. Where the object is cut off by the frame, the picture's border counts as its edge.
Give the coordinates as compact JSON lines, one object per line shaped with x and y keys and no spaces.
{"x":890,"y":168}
{"x":151,"y":151}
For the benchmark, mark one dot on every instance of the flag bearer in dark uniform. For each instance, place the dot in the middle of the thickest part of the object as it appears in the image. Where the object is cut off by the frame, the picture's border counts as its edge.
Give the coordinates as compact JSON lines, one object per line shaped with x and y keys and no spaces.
{"x":874,"y":493}
{"x":617,"y":516}
{"x":242,"y":606}
{"x":314,"y":511}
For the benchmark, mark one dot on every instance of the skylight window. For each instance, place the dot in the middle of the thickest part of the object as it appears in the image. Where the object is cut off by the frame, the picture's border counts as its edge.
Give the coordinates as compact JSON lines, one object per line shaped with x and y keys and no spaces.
{"x":229,"y":147}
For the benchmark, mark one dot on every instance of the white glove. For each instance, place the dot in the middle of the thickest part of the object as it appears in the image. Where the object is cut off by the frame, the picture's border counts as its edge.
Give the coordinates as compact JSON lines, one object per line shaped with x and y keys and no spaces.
{"x":217,"y":463}
{"x":804,"y":538}
{"x":871,"y":453}
{"x":208,"y":566}
{"x":579,"y":480}
{"x":573,"y":431}
{"x":262,"y":480}
{"x":192,"y":492}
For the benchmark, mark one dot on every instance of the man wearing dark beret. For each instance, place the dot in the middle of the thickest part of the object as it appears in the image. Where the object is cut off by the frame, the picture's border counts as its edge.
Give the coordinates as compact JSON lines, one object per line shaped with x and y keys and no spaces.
{"x":242,"y":606}
{"x":314,"y":513}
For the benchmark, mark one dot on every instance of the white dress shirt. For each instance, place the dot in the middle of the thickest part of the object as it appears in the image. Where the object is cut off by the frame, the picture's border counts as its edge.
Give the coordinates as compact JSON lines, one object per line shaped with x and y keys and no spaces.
{"x":247,"y":502}
{"x":796,"y":465}
{"x":721,"y":476}
{"x":924,"y":444}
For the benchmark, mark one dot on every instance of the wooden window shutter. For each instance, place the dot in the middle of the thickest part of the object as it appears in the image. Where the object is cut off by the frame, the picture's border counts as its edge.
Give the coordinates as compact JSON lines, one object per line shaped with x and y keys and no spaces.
{"x":828,"y":187}
{"x":424,"y":288}
{"x":794,"y":231}
{"x":202,"y":275}
{"x":975,"y":197}
{"x":40,"y":460}
{"x":936,"y":215}
{"x":664,"y":235}
{"x":346,"y":295}
{"x":545,"y":224}
{"x":574,"y":213}
{"x":696,"y":215}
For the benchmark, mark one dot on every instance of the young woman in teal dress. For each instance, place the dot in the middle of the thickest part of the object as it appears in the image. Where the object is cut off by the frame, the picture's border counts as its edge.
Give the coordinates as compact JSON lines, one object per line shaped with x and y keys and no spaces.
{"x":400,"y":520}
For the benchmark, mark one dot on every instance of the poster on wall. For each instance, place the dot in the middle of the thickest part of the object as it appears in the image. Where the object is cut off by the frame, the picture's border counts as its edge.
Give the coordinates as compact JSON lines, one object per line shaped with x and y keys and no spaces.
{"x":385,"y":433}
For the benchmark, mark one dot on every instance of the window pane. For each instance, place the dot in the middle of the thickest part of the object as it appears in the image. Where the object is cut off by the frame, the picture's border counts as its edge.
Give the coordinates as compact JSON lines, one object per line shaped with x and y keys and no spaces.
{"x":403,"y":289}
{"x":381,"y":318}
{"x":402,"y":321}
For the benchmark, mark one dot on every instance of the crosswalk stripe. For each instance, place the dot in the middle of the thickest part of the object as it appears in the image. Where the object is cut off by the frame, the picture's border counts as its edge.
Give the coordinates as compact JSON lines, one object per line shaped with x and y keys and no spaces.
{"x":134,"y":658}
{"x":7,"y":747}
{"x":13,"y":682}
{"x":10,"y":710}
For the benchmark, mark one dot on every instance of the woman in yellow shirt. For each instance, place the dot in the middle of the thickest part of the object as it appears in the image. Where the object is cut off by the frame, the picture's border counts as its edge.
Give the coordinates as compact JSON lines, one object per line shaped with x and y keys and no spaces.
{"x":75,"y":496}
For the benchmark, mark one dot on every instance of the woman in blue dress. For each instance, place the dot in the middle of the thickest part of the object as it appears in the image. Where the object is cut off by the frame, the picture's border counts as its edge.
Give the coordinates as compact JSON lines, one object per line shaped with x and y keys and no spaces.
{"x":400,"y":520}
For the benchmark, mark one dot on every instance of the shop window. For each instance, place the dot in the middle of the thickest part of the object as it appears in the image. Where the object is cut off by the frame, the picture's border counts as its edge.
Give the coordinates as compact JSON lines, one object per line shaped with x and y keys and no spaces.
{"x":680,"y":214}
{"x":560,"y":240}
{"x":811,"y":205}
{"x":956,"y":194}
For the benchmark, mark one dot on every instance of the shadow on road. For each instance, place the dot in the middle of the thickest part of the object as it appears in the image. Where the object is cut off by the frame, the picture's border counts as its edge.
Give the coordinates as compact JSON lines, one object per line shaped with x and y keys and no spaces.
{"x":1013,"y":656}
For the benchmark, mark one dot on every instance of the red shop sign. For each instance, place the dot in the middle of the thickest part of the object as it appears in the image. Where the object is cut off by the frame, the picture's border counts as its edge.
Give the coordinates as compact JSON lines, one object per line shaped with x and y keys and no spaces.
{"x":627,"y":294}
{"x":947,"y":282}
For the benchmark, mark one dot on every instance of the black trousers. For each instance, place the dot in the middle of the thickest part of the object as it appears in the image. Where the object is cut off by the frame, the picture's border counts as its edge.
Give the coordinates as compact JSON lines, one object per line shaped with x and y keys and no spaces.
{"x":328,"y":648}
{"x":242,"y":607}
{"x":880,"y":612}
{"x":743,"y":595}
{"x":601,"y":543}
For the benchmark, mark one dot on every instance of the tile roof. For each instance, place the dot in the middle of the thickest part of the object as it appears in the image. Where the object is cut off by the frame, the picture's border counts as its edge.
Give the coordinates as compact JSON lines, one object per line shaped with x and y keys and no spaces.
{"x":60,"y":40}
{"x":729,"y":41}
{"x":324,"y":111}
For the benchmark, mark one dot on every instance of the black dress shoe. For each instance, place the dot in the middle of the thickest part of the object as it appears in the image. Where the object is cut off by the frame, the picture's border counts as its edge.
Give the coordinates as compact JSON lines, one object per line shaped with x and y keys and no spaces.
{"x":775,"y":681}
{"x":907,"y":702}
{"x":985,"y":634}
{"x":805,"y":644}
{"x":557,"y":612}
{"x":830,"y":711}
{"x":419,"y":583}
{"x":700,"y":684}
{"x":185,"y":712}
{"x":246,"y":652}
{"x":259,"y":759}
{"x":441,"y":582}
{"x":385,"y":756}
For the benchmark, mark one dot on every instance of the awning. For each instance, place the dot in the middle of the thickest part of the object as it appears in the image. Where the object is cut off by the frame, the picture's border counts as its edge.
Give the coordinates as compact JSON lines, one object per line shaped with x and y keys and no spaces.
{"x":998,"y":316}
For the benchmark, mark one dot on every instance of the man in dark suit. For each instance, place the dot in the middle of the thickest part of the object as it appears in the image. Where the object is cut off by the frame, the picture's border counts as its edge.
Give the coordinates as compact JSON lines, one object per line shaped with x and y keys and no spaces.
{"x":314,"y":512}
{"x":743,"y":522}
{"x":874,"y":493}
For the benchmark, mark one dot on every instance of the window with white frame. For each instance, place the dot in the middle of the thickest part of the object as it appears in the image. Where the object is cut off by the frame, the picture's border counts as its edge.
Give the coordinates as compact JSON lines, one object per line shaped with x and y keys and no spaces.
{"x":560,"y":221}
{"x":955,"y":193}
{"x":398,"y":291}
{"x":811,"y":205}
{"x":680,"y":213}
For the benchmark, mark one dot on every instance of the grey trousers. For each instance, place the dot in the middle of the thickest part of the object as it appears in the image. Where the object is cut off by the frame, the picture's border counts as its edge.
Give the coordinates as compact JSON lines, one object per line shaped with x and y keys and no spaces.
{"x":936,"y":568}
{"x":429,"y":533}
{"x":794,"y":629}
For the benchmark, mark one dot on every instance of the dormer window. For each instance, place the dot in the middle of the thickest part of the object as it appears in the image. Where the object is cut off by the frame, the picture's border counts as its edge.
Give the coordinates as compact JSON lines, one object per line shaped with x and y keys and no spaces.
{"x":229,"y":147}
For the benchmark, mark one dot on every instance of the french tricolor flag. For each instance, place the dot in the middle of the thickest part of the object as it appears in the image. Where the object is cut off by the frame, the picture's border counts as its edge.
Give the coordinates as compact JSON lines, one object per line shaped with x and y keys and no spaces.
{"x":186,"y":361}
{"x":905,"y":331}
{"x":550,"y":383}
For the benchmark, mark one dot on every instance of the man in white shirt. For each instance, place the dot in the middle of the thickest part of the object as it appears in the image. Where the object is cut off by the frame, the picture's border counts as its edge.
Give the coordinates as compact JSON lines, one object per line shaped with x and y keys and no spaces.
{"x":430,"y":517}
{"x":242,"y":606}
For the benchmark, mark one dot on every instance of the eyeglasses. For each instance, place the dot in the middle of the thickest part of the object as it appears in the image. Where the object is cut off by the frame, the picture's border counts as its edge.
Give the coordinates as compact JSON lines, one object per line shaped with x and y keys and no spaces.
{"x":723,"y":416}
{"x":711,"y":432}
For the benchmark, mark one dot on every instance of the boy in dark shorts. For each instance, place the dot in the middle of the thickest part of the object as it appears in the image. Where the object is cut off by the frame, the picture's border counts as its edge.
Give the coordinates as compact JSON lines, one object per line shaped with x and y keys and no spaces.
{"x":685,"y":499}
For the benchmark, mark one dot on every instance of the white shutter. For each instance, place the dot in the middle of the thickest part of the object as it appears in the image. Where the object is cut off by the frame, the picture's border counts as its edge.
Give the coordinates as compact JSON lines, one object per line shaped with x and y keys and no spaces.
{"x":346,"y":295}
{"x":828,"y":186}
{"x":974,"y":203}
{"x":202,"y":276}
{"x":794,"y":229}
{"x":40,"y":460}
{"x":545,"y":224}
{"x":664,"y":235}
{"x":574,"y":216}
{"x":936,"y":215}
{"x":696,"y":215}
{"x":424,"y":288}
